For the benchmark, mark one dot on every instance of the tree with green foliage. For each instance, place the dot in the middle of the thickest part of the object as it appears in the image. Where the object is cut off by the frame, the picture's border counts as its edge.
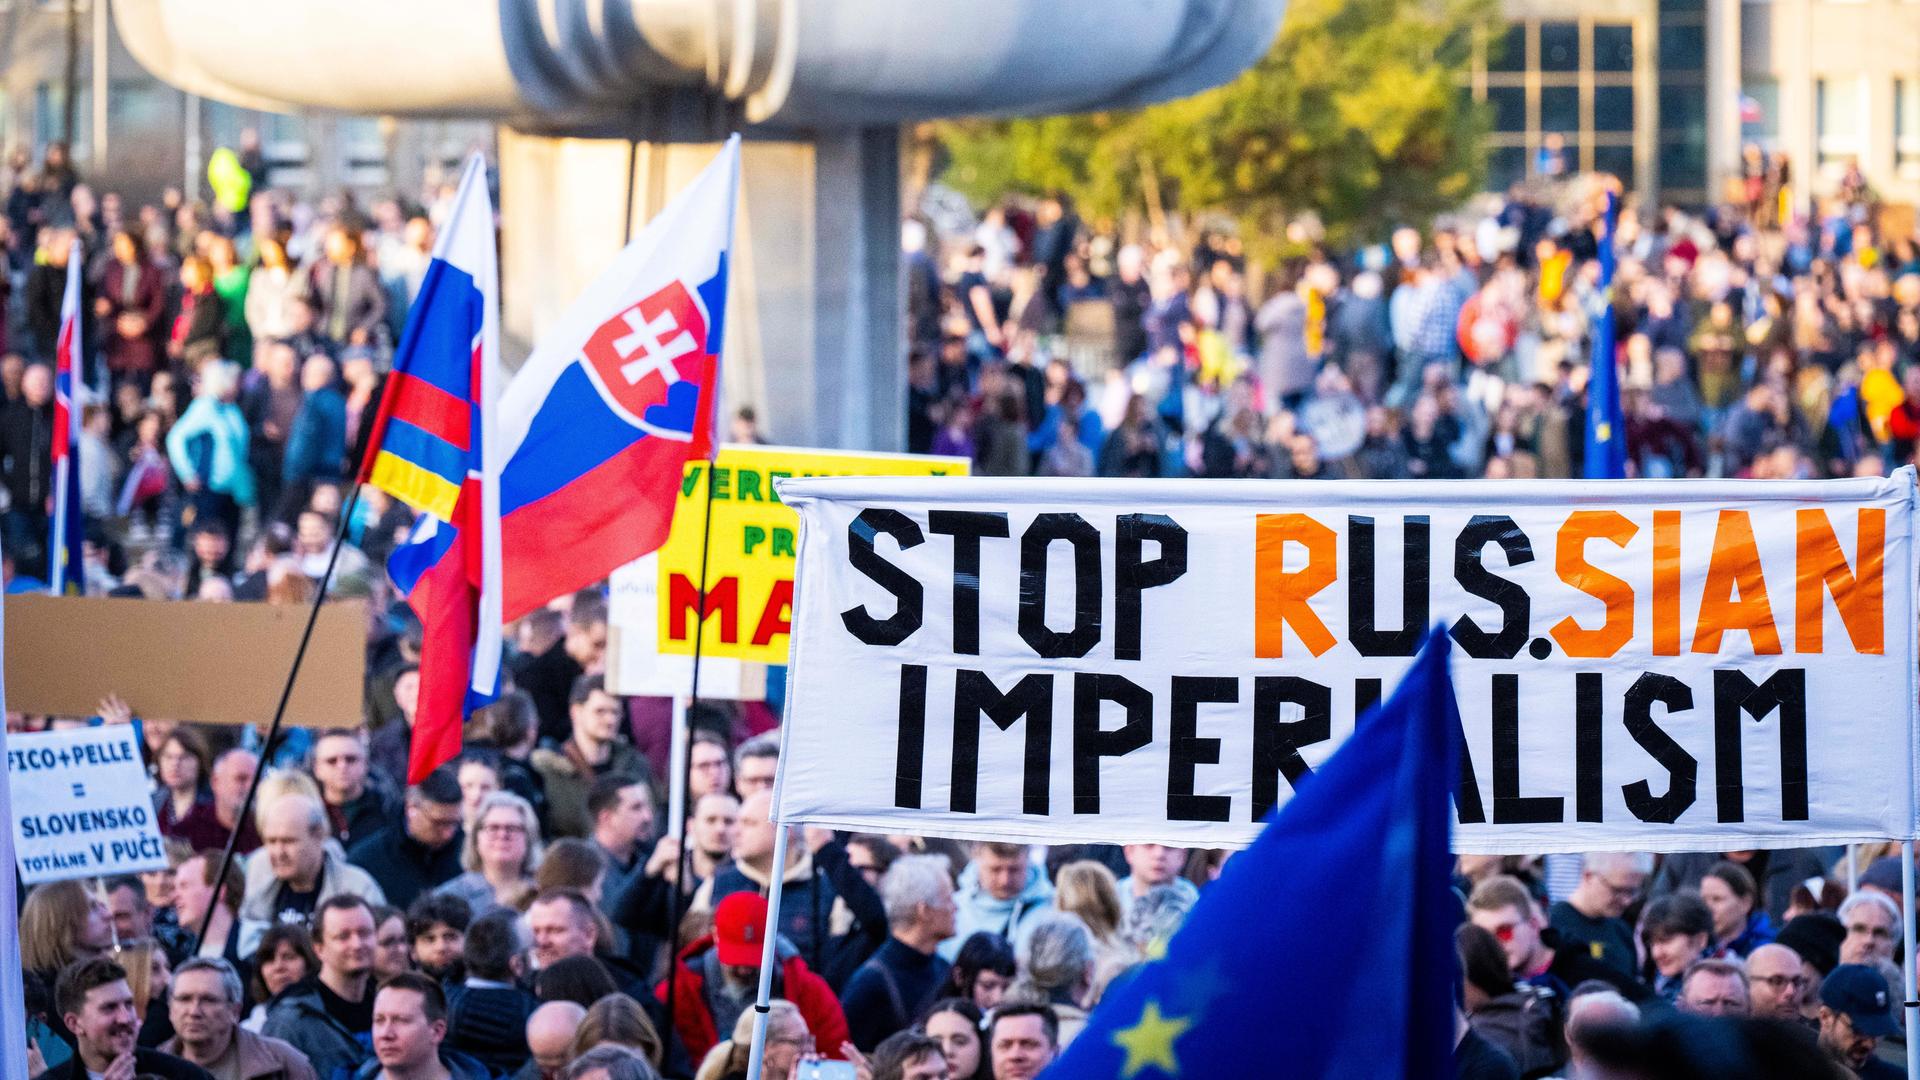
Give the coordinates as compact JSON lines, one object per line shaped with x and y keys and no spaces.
{"x":1357,"y":114}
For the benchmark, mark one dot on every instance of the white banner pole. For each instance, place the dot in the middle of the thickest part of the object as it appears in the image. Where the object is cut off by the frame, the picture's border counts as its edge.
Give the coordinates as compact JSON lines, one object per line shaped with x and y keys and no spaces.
{"x":763,"y":1003}
{"x":677,"y":771}
{"x":13,"y":994}
{"x":1853,"y":869}
{"x":1912,"y":1001}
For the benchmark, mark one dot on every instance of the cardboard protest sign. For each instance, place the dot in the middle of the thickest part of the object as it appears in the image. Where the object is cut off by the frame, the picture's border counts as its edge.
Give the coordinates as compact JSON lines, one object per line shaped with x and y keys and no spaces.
{"x":82,"y":807}
{"x":176,"y":660}
{"x":1674,"y":666}
{"x":750,"y":570}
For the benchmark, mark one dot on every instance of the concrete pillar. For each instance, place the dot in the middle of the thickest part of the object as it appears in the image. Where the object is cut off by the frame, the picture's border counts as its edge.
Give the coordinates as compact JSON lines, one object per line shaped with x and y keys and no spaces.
{"x":1723,"y":94}
{"x":814,"y":319}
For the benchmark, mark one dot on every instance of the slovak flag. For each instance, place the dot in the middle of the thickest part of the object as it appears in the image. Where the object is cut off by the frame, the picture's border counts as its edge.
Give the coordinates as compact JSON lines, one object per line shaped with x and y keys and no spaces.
{"x":434,"y":447}
{"x":65,"y":554}
{"x":600,"y":422}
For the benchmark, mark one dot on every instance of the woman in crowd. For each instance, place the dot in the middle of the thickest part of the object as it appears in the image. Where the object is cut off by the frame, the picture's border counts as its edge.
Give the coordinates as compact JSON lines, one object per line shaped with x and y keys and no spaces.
{"x":955,"y":1024}
{"x":1739,"y":921}
{"x":392,"y":951}
{"x":618,"y":1020}
{"x":185,"y":764}
{"x":982,"y":970}
{"x":285,"y":958}
{"x":502,"y":852}
{"x":1087,"y":891}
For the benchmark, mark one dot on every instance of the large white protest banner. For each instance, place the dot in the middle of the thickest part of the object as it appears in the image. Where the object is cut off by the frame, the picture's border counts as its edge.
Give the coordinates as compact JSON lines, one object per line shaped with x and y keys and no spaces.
{"x":1639,"y":665}
{"x":81,"y":805}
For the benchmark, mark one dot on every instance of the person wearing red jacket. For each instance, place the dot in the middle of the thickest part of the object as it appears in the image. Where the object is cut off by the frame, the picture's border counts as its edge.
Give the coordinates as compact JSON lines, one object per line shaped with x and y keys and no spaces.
{"x":717,"y":978}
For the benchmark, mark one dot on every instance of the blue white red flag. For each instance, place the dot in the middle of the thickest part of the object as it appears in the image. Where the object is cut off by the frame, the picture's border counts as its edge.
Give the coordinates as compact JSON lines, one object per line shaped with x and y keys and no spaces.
{"x":434,"y":447}
{"x":598,"y":425}
{"x":66,"y":568}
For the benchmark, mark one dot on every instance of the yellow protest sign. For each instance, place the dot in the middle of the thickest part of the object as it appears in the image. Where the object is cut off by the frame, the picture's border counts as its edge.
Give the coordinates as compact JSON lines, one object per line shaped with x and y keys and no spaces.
{"x":749,"y":609}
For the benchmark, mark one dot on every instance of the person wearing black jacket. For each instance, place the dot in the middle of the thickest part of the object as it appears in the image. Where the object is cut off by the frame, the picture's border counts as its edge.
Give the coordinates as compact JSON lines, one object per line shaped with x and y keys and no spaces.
{"x":422,"y":852}
{"x":26,"y":458}
{"x":487,"y":1013}
{"x":46,"y":286}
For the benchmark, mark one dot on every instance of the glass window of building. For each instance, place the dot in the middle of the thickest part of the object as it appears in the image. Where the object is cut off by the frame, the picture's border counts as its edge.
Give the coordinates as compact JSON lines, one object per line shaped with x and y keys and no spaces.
{"x":1559,"y":47}
{"x":1906,"y":127}
{"x":1839,"y":105}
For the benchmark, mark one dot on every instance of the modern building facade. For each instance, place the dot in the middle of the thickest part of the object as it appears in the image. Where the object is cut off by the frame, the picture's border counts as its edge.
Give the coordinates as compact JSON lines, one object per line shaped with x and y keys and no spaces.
{"x":1664,"y":93}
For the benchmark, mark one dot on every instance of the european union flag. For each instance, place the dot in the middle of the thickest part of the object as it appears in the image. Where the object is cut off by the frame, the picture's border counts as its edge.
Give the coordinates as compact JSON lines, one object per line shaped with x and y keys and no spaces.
{"x":1326,"y":948}
{"x":1606,"y":457}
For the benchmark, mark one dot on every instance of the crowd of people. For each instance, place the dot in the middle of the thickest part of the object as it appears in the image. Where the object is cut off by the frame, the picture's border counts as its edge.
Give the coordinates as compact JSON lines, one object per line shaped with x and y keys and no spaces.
{"x":1749,"y":344}
{"x":526,"y":911}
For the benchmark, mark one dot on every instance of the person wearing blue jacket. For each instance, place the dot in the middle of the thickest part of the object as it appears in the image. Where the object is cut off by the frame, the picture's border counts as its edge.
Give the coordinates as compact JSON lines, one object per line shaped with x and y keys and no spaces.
{"x":317,"y":441}
{"x":1001,"y":890}
{"x":208,"y":450}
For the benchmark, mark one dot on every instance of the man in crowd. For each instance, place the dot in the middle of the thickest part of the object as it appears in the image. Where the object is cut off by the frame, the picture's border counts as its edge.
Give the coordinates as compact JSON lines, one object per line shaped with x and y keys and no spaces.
{"x":1873,"y":925}
{"x":97,"y":1006}
{"x":709,"y":769}
{"x":437,"y":931}
{"x":487,"y":1013}
{"x":300,"y":871}
{"x":755,"y":762}
{"x":1590,"y":1014}
{"x":897,"y":983}
{"x":1001,"y":891}
{"x":622,"y":812}
{"x":1776,"y":983}
{"x":330,"y":1017}
{"x":204,"y":1003}
{"x":132,"y":914}
{"x":1153,"y":865}
{"x":1023,"y":1040}
{"x":208,"y":825}
{"x":1856,"y":1012}
{"x":356,"y":806}
{"x":711,"y":829}
{"x":596,"y":748}
{"x":1590,"y":918}
{"x":549,"y":1039}
{"x":718,"y":978}
{"x":420,"y":853}
{"x":409,"y":1025}
{"x":1714,"y":988}
{"x":193,"y":895}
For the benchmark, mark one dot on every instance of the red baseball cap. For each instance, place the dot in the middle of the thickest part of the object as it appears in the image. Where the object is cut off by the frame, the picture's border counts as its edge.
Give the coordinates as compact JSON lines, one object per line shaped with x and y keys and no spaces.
{"x":739,"y":929}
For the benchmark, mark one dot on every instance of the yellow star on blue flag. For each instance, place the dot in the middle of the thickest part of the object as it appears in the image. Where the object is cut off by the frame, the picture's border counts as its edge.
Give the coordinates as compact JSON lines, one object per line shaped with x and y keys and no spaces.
{"x":1149,"y":1043}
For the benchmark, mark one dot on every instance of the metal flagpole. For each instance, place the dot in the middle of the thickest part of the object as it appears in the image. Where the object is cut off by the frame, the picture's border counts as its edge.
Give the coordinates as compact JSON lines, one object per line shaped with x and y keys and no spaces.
{"x":279,"y":715}
{"x":1853,"y":869}
{"x":1911,"y":999}
{"x":683,"y":758}
{"x":13,"y":995}
{"x":763,"y":1001}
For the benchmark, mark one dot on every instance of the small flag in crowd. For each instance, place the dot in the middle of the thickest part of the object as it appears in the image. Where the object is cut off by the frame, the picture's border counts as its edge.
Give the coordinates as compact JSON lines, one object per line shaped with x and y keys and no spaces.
{"x":600,"y":422}
{"x":1606,"y":457}
{"x":66,"y":565}
{"x":432,"y":448}
{"x":1330,"y":940}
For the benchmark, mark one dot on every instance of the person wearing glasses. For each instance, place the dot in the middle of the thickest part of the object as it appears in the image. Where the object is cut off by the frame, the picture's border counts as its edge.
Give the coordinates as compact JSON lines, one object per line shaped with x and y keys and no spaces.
{"x":1590,"y":917}
{"x":1873,"y":925}
{"x":1503,"y":907}
{"x":501,"y":853}
{"x":1777,"y":983}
